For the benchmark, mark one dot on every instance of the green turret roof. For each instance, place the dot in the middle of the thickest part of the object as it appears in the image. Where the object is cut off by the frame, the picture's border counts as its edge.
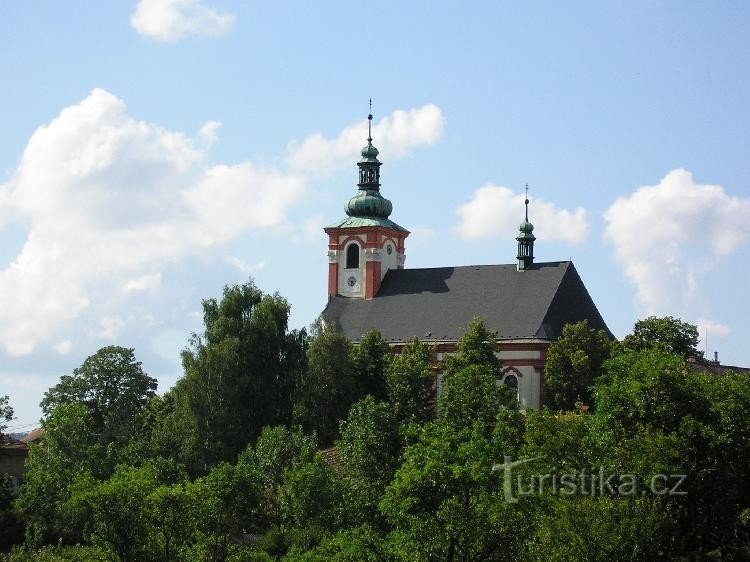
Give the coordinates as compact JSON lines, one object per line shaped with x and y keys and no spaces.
{"x":368,"y":207}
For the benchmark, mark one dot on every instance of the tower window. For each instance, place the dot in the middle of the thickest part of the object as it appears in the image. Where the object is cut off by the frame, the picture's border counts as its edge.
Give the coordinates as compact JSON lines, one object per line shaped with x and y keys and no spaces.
{"x":352,"y":256}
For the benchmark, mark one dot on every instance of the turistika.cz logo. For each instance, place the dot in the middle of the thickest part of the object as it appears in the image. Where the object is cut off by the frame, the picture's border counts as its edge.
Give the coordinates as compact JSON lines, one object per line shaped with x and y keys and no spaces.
{"x":587,"y":482}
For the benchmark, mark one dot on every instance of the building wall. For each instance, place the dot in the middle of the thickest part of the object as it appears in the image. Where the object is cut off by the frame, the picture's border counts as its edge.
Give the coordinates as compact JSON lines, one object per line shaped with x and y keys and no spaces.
{"x":524,"y":359}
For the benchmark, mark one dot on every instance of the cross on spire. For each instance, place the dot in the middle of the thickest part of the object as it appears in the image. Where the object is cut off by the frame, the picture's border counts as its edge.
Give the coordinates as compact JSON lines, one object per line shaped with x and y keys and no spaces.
{"x":526,"y":202}
{"x":369,"y":123}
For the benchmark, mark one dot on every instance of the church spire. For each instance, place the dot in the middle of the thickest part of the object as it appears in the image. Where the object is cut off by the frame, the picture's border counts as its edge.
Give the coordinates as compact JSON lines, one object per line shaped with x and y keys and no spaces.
{"x":525,"y":239}
{"x":368,"y":203}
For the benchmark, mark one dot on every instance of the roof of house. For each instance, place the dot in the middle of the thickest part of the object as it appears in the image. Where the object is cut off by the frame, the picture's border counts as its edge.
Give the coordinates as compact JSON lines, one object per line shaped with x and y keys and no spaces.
{"x":717,"y":368}
{"x":436,"y":304}
{"x":32,"y":436}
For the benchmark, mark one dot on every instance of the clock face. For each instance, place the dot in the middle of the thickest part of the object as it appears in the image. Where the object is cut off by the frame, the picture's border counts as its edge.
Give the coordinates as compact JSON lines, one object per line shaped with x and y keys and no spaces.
{"x":351,"y":281}
{"x":389,"y":249}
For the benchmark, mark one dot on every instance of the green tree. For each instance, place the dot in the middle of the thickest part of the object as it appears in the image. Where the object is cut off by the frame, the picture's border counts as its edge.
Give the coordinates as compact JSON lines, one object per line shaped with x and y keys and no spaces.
{"x":112,"y":386}
{"x":328,"y":388}
{"x":239,"y":374}
{"x":473,"y":394}
{"x":667,"y":333}
{"x":309,"y":502}
{"x":446,"y":504}
{"x":593,"y":529}
{"x":409,"y":379}
{"x":11,"y":526}
{"x":574,"y":361}
{"x":70,"y":446}
{"x":369,"y":359}
{"x":369,"y":449}
{"x":274,"y":453}
{"x":476,"y":347}
{"x":6,"y":415}
{"x":655,"y":416}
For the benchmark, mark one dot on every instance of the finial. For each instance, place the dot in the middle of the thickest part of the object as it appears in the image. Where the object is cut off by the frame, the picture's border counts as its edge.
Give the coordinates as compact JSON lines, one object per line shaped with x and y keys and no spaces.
{"x":369,"y":123}
{"x":526,"y":202}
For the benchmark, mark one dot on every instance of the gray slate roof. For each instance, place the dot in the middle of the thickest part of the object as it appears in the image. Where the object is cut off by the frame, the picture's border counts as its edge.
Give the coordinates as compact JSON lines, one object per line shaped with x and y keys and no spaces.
{"x":436,"y":304}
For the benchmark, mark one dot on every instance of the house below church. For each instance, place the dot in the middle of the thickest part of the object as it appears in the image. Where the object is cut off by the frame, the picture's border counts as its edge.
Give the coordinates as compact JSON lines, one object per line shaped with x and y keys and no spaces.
{"x":525,"y":303}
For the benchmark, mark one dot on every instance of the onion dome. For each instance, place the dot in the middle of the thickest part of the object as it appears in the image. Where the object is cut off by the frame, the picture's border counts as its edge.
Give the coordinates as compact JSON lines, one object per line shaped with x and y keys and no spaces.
{"x":368,"y":203}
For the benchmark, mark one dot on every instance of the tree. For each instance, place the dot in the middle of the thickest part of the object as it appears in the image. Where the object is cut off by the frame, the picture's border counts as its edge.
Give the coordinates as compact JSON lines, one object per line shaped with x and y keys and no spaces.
{"x":70,"y":446}
{"x":655,"y":416}
{"x":369,"y":448}
{"x":369,"y":359}
{"x":476,"y":347}
{"x":409,"y":379}
{"x":6,"y":414}
{"x":599,"y":528}
{"x":574,"y":361}
{"x":112,"y":386}
{"x":239,"y":374}
{"x":473,"y":394}
{"x":328,"y":388}
{"x":309,"y":502}
{"x":667,"y":333}
{"x":274,"y":453}
{"x":446,"y":504}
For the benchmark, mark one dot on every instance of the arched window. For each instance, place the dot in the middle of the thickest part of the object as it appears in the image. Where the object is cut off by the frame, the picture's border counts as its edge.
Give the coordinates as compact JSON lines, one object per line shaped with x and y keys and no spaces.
{"x":352,"y":256}
{"x":511,"y":381}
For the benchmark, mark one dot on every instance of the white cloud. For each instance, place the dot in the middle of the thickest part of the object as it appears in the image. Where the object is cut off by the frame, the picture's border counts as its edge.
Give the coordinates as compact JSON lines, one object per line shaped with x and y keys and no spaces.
{"x":665,"y":235}
{"x":312,"y":229}
{"x":208,"y":132}
{"x":110,"y":327}
{"x":109,"y":199}
{"x":710,"y":330}
{"x":496,"y":211}
{"x":243,"y":266}
{"x":142,"y":283}
{"x":422,"y":233}
{"x":172,"y":20}
{"x":393,"y":135}
{"x":64,"y":347}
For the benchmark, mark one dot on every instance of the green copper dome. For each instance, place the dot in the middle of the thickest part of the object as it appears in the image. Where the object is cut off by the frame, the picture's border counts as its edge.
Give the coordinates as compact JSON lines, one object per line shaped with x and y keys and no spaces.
{"x":369,"y":153}
{"x":526,"y":227}
{"x":368,"y":203}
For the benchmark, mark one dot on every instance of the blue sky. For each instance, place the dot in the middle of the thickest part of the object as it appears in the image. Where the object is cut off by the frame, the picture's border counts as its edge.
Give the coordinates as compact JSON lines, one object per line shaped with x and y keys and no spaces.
{"x":153,"y":152}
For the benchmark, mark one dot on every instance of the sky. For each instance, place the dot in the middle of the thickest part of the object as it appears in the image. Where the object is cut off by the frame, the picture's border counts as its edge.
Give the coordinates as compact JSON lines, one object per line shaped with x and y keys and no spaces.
{"x":153,"y":152}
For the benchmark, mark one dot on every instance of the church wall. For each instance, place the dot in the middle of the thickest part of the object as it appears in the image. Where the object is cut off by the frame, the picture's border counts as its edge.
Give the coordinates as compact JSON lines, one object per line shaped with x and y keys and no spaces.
{"x":524,"y":359}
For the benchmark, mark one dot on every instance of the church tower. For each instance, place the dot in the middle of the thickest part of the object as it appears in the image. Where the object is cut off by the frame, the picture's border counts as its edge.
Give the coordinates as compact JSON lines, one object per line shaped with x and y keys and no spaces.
{"x":525,"y":239}
{"x":366,"y":244}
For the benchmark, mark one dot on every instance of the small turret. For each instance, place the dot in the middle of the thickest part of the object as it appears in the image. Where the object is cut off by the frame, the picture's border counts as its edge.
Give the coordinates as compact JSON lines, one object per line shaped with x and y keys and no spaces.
{"x":526,"y":239}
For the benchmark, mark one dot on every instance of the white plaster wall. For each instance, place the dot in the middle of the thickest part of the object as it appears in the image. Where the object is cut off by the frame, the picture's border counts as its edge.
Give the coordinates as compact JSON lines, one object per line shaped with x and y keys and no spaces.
{"x":518,"y":354}
{"x":388,"y":261}
{"x":344,"y":274}
{"x":528,"y":386}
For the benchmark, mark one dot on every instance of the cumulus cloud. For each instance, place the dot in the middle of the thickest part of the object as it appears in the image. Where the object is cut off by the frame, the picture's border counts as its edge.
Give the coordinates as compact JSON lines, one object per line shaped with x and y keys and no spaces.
{"x":64,"y":347}
{"x":394,"y":135}
{"x":172,"y":20}
{"x":664,"y":235}
{"x":208,"y":132}
{"x":496,"y":211}
{"x":710,"y":330}
{"x":108,"y":200}
{"x":142,"y":283}
{"x":243,"y":266}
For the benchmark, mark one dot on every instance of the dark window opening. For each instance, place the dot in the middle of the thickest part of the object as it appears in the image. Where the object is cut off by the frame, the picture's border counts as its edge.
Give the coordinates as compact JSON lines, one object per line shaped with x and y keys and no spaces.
{"x":352,"y":257}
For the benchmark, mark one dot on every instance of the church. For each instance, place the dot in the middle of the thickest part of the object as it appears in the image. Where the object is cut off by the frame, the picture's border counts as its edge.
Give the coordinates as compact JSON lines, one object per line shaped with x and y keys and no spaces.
{"x":525,"y":303}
